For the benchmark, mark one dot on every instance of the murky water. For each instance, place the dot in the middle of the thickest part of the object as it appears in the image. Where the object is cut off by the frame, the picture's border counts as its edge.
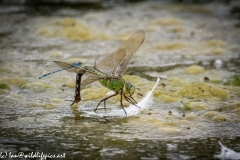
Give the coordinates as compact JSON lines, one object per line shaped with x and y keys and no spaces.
{"x":193,"y":49}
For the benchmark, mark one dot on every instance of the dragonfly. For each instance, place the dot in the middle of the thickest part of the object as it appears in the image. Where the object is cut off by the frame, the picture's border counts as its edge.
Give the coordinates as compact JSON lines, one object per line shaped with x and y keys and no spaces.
{"x":68,"y":68}
{"x":109,"y":71}
{"x":71,"y":68}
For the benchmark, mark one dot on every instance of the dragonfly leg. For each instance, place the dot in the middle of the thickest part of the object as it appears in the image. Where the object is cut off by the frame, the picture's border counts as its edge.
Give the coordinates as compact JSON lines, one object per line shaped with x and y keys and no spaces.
{"x":131,"y":101}
{"x":104,"y":100}
{"x":104,"y":106}
{"x":121,"y":98}
{"x":122,"y":103}
{"x":77,"y":97}
{"x":124,"y":110}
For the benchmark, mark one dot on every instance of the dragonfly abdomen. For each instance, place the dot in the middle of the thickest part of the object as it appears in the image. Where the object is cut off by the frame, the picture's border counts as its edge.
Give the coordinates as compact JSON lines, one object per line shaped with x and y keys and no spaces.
{"x":113,"y":83}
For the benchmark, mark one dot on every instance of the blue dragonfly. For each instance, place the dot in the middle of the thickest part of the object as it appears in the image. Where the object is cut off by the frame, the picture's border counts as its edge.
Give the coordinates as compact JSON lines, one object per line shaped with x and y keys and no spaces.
{"x":70,"y":67}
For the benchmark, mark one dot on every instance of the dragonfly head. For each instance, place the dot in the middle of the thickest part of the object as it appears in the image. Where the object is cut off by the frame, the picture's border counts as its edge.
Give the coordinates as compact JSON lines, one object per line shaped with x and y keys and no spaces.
{"x":129,"y":89}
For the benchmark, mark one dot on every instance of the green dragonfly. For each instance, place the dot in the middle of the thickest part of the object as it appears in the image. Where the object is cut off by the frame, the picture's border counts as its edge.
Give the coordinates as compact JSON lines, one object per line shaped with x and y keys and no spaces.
{"x":109,"y":71}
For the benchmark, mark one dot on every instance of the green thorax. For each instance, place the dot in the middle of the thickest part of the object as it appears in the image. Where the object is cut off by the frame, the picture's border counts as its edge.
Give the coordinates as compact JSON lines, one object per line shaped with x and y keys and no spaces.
{"x":114,"y":84}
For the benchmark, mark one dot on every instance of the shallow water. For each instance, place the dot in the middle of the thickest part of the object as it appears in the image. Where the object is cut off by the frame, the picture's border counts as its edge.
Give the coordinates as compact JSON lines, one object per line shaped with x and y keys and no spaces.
{"x":193,"y":49}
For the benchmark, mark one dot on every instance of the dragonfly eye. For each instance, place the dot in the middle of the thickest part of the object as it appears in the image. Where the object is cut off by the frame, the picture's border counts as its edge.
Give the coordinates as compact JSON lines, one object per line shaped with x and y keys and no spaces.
{"x":130,"y":88}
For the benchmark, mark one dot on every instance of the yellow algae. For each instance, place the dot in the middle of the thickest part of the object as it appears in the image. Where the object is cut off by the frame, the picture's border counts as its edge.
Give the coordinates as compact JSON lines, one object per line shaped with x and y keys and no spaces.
{"x":237,"y":111}
{"x":232,"y":106}
{"x":198,"y":105}
{"x":105,"y":36}
{"x":56,"y":100}
{"x":49,"y":106}
{"x":171,"y":130}
{"x":123,"y":37}
{"x":5,"y":70}
{"x":34,"y":104}
{"x":92,"y":15}
{"x":133,"y":78}
{"x":215,"y":80}
{"x":189,"y":8}
{"x":194,"y":69}
{"x":186,"y":122}
{"x":153,"y":120}
{"x":210,"y":114}
{"x":168,"y":127}
{"x":71,"y":84}
{"x":166,"y":21}
{"x":169,"y":116}
{"x":150,"y":29}
{"x":191,"y":116}
{"x":235,"y":119}
{"x":67,"y":22}
{"x":61,"y":79}
{"x":55,"y":54}
{"x":176,"y":82}
{"x":198,"y":9}
{"x":3,"y":91}
{"x":16,"y":95}
{"x":94,"y":93}
{"x":203,"y":90}
{"x":47,"y":32}
{"x":69,"y":28}
{"x":168,"y":124}
{"x":177,"y":29}
{"x":16,"y":81}
{"x":80,"y":32}
{"x":172,"y":46}
{"x":216,"y":43}
{"x":217,"y":51}
{"x":165,"y":96}
{"x":219,"y":117}
{"x":38,"y":86}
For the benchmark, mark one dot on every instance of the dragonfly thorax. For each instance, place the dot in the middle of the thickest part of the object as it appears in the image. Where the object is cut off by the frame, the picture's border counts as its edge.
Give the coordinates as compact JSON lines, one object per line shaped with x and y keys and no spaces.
{"x":128,"y":89}
{"x":94,"y":71}
{"x":113,"y":83}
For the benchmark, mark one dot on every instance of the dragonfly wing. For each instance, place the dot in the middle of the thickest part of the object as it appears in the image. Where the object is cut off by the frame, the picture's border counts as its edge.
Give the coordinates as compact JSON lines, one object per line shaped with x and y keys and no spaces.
{"x":109,"y":64}
{"x":115,"y":64}
{"x":130,"y":46}
{"x":90,"y":78}
{"x":71,"y":67}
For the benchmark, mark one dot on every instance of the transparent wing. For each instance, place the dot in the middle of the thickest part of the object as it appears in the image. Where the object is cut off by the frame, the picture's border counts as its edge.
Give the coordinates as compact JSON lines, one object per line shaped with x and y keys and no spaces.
{"x":130,"y":46}
{"x":109,"y":64}
{"x":68,"y":65}
{"x":90,"y":78}
{"x":116,"y":63}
